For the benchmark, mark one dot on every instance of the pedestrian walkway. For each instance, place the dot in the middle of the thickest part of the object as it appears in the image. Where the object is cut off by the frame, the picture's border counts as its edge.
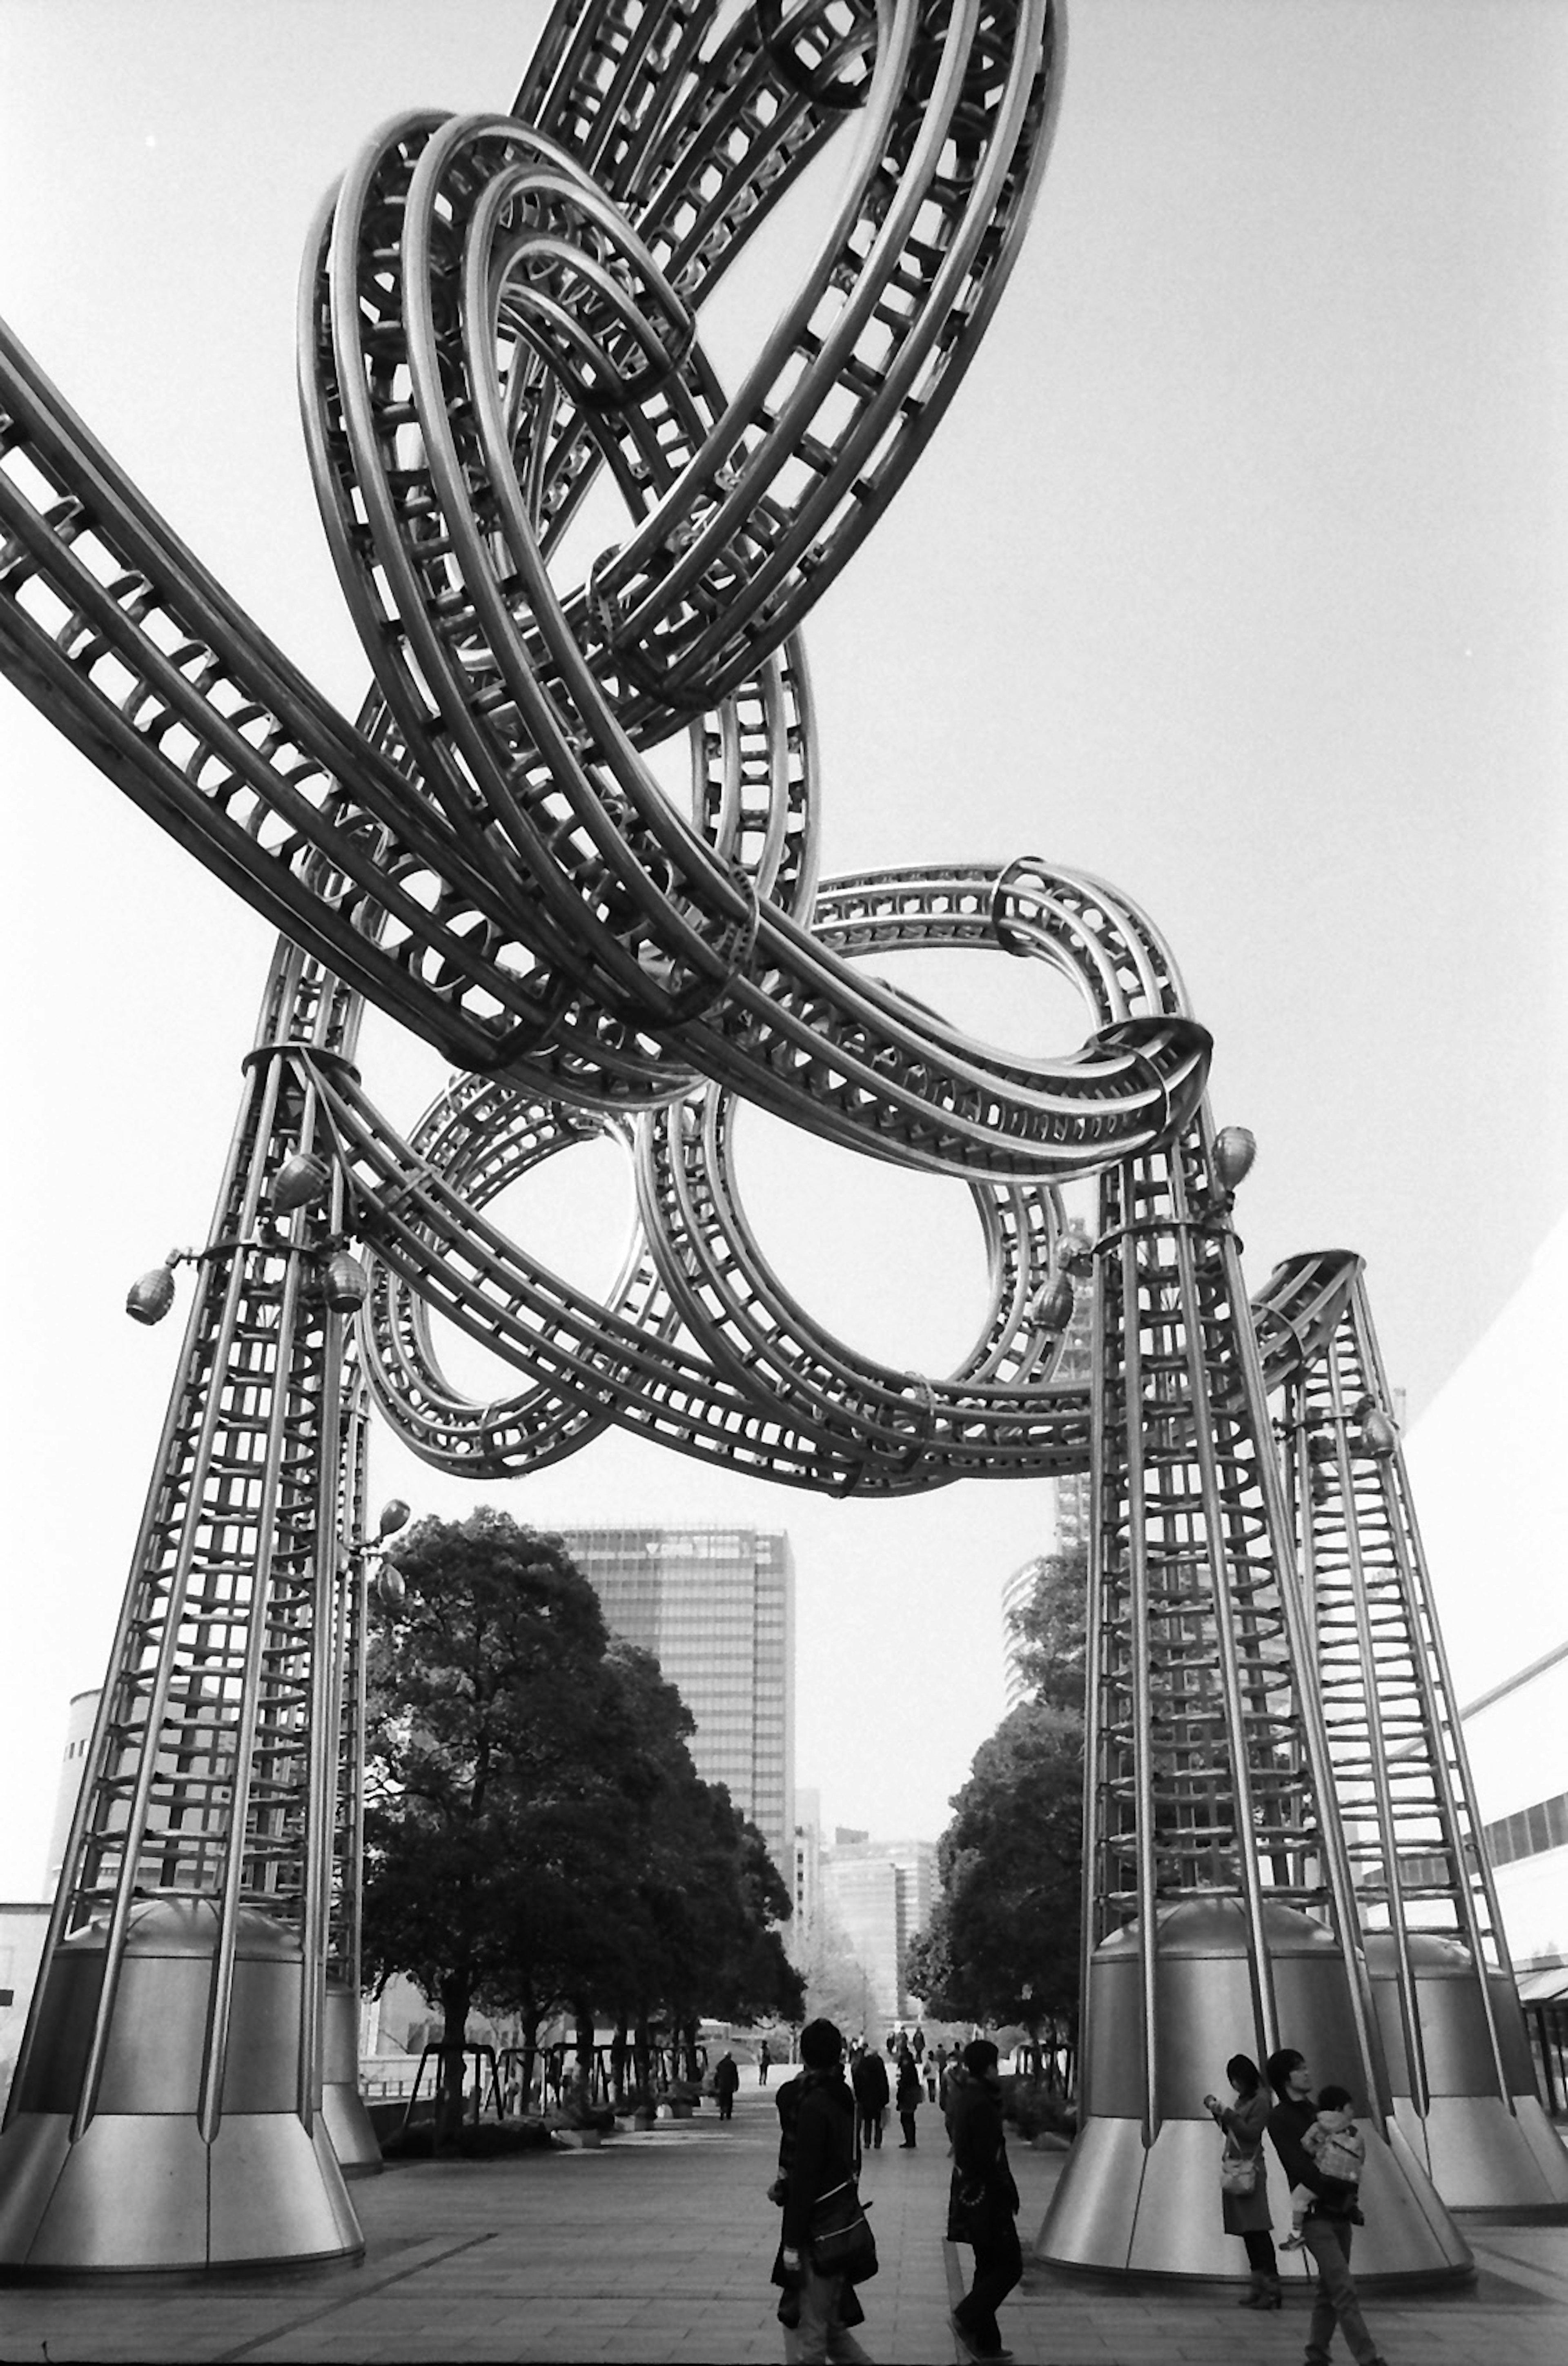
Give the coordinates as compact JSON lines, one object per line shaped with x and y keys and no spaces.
{"x":657,"y":2247}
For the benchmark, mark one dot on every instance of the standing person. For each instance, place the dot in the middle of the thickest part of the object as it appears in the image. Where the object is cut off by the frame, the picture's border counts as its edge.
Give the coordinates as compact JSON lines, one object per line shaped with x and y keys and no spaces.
{"x":1244,"y":2184}
{"x":763,"y":2059}
{"x":1328,"y":2226}
{"x":726,"y":2078}
{"x":816,"y":2153}
{"x":982,"y":2207}
{"x":907,"y":2097}
{"x":869,"y":2079}
{"x":929,"y":2073}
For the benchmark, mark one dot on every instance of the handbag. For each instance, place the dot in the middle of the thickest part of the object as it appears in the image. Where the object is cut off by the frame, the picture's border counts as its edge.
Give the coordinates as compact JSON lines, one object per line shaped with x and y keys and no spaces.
{"x":841,"y":2241}
{"x":1238,"y":2173}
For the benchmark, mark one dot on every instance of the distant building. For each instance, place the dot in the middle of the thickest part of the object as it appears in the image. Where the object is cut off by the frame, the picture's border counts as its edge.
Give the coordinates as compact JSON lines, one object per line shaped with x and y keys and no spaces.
{"x":881,"y":1894}
{"x":805,"y":1888}
{"x":1484,"y":1459}
{"x":1514,"y":1739}
{"x":716,"y":1606}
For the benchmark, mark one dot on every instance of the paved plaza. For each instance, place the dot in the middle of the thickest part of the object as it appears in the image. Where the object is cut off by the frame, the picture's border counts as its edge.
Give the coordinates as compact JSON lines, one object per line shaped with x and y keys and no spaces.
{"x":657,"y":2247}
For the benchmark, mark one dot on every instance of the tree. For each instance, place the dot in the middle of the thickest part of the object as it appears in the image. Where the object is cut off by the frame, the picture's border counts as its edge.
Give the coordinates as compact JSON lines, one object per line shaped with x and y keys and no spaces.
{"x":536,"y":1836}
{"x":1003,"y":1944}
{"x":837,"y":1987}
{"x":498,"y":1770}
{"x":1048,"y":1631}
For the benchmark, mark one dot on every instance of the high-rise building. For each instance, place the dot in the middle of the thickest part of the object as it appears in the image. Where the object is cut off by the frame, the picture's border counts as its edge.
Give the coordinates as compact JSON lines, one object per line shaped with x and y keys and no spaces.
{"x":716,"y":1606}
{"x":880,"y":1893}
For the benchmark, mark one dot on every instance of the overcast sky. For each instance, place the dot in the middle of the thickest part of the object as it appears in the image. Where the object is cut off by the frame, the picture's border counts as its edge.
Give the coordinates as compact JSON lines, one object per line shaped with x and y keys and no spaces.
{"x":1235,"y":574}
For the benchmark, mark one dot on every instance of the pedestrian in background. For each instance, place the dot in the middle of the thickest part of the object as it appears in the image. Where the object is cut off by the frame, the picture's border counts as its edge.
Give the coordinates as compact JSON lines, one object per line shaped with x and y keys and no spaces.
{"x":726,"y":2078}
{"x":763,"y":2059}
{"x":981,"y":2206}
{"x":869,"y":2080}
{"x":907,"y":2097}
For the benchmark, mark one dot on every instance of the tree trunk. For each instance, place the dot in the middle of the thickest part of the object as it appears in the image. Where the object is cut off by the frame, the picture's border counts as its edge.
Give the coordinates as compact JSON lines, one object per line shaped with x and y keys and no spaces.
{"x":618,"y":2061}
{"x":583,"y":2016}
{"x":457,"y":1993}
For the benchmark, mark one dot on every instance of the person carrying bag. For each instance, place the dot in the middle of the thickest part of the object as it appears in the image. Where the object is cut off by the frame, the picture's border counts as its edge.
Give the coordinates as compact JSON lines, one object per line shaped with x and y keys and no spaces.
{"x":982,"y":2207}
{"x":1243,"y":2190}
{"x":826,"y":2246}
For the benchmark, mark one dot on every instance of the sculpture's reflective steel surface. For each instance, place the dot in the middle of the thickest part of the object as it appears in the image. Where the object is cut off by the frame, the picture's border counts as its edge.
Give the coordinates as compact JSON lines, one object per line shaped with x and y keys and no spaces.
{"x":496,"y":312}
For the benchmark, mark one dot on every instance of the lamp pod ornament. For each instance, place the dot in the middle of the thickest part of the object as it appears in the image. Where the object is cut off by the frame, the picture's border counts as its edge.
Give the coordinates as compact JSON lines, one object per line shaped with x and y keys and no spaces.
{"x":302,"y":1181}
{"x":1236,"y":1147}
{"x":345,"y":1283}
{"x":151,"y":1296}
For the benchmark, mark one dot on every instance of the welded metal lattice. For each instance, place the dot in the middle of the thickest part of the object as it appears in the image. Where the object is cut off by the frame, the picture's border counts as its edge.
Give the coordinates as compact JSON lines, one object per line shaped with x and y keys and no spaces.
{"x":494,"y":311}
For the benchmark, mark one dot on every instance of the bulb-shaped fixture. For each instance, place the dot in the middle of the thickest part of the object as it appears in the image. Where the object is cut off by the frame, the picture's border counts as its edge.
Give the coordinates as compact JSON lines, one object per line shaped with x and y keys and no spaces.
{"x":390,"y":1588}
{"x":1052,"y":1309}
{"x":1380,"y":1435}
{"x":344,"y":1285}
{"x":1235,"y":1149}
{"x":300,"y":1182}
{"x":149,"y":1297}
{"x":395,"y":1515}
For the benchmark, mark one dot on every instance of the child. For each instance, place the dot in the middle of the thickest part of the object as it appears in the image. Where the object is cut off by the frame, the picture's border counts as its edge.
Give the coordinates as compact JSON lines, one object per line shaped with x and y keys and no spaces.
{"x":1338,"y":2149}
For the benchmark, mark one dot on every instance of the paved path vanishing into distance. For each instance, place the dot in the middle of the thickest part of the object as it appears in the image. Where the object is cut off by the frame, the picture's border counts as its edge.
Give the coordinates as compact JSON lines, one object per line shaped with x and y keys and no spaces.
{"x":657,"y":2247}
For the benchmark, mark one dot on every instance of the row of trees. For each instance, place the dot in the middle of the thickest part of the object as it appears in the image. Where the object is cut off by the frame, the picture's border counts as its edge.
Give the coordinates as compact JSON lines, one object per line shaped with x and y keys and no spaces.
{"x":1002,"y":1945}
{"x":538,"y":1842}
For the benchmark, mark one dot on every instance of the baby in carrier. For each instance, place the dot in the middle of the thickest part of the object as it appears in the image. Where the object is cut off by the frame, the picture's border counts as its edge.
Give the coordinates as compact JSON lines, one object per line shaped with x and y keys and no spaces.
{"x":1338,"y":2149}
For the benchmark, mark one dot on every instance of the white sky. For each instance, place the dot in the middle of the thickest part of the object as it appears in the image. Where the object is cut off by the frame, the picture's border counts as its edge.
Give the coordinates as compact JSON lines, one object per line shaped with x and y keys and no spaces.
{"x":1238,"y":574}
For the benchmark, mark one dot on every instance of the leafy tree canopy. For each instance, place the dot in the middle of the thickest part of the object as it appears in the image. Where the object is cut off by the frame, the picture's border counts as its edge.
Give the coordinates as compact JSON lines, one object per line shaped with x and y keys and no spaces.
{"x":1048,"y":1630}
{"x":1003,"y":1944}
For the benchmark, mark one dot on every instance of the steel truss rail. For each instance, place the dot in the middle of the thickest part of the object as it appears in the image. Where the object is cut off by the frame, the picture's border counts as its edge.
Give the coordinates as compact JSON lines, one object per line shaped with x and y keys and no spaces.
{"x":493,"y":311}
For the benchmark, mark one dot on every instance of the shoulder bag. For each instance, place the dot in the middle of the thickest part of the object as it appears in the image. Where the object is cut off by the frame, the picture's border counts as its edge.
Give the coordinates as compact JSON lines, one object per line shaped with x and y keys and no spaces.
{"x":841,"y":2241}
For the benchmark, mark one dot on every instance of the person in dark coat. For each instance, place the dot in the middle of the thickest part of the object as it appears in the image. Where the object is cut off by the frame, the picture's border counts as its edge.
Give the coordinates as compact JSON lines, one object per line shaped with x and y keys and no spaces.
{"x":869,"y":2079}
{"x":817,"y":2152}
{"x":765,"y":2057}
{"x":1331,"y":2220}
{"x":907,"y":2097}
{"x":981,"y":2206}
{"x":725,"y":2079}
{"x":1248,"y":2213}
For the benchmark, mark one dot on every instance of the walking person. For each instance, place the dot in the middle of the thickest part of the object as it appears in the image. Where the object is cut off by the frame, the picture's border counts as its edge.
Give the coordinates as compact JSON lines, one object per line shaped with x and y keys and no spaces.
{"x":869,"y":2080}
{"x":907,"y":2097}
{"x":763,"y":2059}
{"x":1331,"y":2220}
{"x":817,"y":2154}
{"x":1244,"y":2184}
{"x":982,"y":2207}
{"x":725,"y":2079}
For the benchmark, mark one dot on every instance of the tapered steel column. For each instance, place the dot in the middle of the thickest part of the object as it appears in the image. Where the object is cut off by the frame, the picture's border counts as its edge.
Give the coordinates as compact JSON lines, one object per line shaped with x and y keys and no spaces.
{"x":1463,"y":2084}
{"x":166,"y":2106}
{"x":1219,"y":1915}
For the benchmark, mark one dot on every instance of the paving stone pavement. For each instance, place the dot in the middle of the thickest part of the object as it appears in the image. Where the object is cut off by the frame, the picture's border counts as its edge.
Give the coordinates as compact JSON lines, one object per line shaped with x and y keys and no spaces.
{"x":658,"y":2247}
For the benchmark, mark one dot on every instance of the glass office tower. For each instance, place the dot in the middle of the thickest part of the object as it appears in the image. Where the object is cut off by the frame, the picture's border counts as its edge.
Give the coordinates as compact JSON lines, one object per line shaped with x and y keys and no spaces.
{"x":716,"y":1606}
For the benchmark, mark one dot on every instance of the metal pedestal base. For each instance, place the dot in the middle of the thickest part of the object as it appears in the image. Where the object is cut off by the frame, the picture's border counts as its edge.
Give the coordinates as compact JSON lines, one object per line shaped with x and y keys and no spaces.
{"x":353,"y":2139}
{"x":1483,"y":2156}
{"x":142,"y":2191}
{"x":143,"y":2187}
{"x":1125,"y":2208}
{"x":1122,"y":2209}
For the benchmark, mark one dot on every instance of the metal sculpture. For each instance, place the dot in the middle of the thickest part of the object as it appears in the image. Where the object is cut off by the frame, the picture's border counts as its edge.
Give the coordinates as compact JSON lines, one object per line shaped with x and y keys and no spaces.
{"x":1464,"y":2089}
{"x":493,"y":311}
